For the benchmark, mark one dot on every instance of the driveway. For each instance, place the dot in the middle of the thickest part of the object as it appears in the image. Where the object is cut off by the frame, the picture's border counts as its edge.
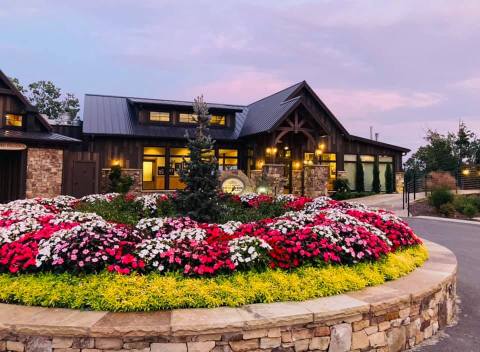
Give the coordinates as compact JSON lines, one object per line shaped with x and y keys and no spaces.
{"x":464,"y":241}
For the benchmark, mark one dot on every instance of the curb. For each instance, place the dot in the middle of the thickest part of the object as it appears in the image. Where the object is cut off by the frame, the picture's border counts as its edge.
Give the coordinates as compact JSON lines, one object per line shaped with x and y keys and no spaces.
{"x":459,"y":221}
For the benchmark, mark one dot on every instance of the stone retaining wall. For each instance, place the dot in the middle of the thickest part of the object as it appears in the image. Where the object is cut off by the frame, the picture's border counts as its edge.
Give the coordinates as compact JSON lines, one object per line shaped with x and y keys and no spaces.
{"x":391,"y":317}
{"x":44,"y":172}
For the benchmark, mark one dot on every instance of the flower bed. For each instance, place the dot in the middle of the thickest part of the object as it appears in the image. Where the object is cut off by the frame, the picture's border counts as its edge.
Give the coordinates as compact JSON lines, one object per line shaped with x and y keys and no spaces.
{"x":39,"y":237}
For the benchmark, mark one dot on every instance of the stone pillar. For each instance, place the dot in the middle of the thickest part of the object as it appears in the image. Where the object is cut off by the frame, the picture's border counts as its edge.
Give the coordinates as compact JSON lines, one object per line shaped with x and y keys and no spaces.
{"x":297,"y":182}
{"x":316,"y":180}
{"x":44,"y":172}
{"x":274,"y":174}
{"x":135,"y":174}
{"x":399,"y":181}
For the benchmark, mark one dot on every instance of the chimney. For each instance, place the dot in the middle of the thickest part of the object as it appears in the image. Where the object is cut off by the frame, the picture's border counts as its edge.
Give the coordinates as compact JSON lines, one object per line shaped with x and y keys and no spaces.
{"x":376,"y":136}
{"x":371,"y":132}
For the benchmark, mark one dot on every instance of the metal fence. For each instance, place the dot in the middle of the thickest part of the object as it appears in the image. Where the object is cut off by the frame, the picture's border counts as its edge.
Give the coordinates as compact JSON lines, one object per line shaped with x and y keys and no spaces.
{"x":467,"y":179}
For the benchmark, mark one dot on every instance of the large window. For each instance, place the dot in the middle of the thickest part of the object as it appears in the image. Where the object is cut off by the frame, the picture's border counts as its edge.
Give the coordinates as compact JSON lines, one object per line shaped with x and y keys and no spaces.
{"x":13,"y":120}
{"x":159,"y":116}
{"x":178,"y":157}
{"x":218,"y":120}
{"x":187,"y":118}
{"x":227,"y":159}
{"x":330,"y":160}
{"x":154,"y":170}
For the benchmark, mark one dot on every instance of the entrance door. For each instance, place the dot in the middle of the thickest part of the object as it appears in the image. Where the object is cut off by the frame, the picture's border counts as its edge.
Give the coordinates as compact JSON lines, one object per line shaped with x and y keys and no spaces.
{"x":12,"y":176}
{"x":84,"y":177}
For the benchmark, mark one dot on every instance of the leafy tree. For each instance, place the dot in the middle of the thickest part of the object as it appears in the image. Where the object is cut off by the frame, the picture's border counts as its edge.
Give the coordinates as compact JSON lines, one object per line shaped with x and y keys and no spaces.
{"x":359,"y":176}
{"x":199,"y":199}
{"x":49,"y":100}
{"x":389,"y":179}
{"x":376,"y":187}
{"x":46,"y":97}
{"x":463,"y":144}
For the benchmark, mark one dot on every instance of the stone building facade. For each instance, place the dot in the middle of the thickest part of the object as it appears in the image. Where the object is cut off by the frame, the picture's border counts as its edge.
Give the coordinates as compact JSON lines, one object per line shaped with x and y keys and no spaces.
{"x":44,"y":172}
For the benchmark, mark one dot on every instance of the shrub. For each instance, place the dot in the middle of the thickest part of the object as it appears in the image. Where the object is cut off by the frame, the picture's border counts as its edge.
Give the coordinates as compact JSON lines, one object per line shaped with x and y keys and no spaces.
{"x":118,"y":182}
{"x":441,"y":179}
{"x":440,"y":196}
{"x":447,"y":210}
{"x":359,"y":176}
{"x":341,"y":185}
{"x":376,"y":186}
{"x":470,"y":210}
{"x":350,"y":195}
{"x":389,"y":179}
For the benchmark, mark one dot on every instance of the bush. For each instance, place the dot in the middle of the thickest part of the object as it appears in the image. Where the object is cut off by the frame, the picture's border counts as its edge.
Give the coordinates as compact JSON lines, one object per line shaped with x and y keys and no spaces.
{"x":341,"y":185}
{"x":440,"y":196}
{"x":441,"y":179}
{"x":111,"y":292}
{"x":389,"y":179}
{"x":376,"y":186}
{"x":350,"y":195}
{"x":470,"y":211}
{"x":447,"y":210}
{"x":118,"y":182}
{"x":359,"y":176}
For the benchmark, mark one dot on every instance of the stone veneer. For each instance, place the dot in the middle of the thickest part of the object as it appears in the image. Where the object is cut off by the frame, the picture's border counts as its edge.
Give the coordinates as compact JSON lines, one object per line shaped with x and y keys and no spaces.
{"x":44,"y":172}
{"x":391,"y":317}
{"x":135,"y":174}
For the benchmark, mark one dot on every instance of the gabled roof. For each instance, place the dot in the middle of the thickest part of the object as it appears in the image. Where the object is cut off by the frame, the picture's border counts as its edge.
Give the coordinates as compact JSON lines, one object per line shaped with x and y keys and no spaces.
{"x":28,"y":106}
{"x":42,"y":137}
{"x":187,"y":104}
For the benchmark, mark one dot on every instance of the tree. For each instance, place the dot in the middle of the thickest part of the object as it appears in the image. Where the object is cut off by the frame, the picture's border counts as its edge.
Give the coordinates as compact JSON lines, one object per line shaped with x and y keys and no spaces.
{"x":389,"y":179}
{"x":46,"y":97}
{"x":376,"y":187}
{"x":359,"y":176}
{"x":118,"y":182}
{"x":199,"y":199}
{"x":49,"y":100}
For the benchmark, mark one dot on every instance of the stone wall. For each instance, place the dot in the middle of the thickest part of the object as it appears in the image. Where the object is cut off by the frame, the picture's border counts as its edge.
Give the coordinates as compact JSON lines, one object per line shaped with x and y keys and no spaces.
{"x":44,"y":172}
{"x":135,"y":174}
{"x":387,"y":318}
{"x":316,"y":180}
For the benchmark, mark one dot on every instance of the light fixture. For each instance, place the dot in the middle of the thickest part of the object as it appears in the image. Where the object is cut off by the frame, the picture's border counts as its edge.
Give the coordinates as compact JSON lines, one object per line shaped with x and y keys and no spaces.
{"x":262,"y":190}
{"x":286,"y":147}
{"x":274,"y":150}
{"x":269,"y":150}
{"x":466,"y":172}
{"x":321,"y":146}
{"x":318,"y":152}
{"x":116,"y":162}
{"x":297,"y":164}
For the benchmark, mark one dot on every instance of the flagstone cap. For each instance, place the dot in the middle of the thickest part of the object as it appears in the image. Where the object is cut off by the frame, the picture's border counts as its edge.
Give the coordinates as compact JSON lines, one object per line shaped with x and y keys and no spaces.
{"x":438,"y":270}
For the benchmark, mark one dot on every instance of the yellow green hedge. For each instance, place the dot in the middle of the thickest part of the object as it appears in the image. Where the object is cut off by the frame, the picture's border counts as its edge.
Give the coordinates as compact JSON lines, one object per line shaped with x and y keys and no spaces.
{"x":112,"y":292}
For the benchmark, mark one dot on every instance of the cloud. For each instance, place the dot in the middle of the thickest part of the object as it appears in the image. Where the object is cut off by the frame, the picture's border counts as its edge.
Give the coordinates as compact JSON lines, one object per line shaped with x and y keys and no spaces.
{"x":360,"y":102}
{"x":471,"y":84}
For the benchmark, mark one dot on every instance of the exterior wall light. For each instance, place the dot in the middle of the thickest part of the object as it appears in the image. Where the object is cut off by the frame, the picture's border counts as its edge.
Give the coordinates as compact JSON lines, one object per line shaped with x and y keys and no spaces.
{"x":466,"y":172}
{"x":116,"y":162}
{"x":269,"y":151}
{"x":321,"y":146}
{"x":297,"y":164}
{"x":318,"y":152}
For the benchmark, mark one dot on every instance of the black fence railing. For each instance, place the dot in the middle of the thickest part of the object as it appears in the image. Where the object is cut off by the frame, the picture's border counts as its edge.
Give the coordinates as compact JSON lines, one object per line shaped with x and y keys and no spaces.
{"x":468,"y":178}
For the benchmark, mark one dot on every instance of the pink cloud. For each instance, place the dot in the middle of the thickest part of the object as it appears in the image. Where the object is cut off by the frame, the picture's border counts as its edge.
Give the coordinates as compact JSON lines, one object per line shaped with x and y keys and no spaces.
{"x":245,"y":88}
{"x":358,"y":102}
{"x":470,"y":84}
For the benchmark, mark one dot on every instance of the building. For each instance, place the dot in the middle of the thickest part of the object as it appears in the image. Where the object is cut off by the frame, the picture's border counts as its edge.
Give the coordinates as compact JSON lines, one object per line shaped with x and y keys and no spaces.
{"x":290,"y":137}
{"x":31,"y":154}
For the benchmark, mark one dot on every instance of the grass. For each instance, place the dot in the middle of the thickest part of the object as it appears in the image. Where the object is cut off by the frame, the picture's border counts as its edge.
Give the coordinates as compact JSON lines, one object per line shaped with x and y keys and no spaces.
{"x":112,"y":292}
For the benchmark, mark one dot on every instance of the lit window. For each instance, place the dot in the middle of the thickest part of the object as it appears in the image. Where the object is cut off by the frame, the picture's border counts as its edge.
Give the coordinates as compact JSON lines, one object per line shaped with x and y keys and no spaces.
{"x":218,"y":120}
{"x":228,"y":159}
{"x":187,"y":118}
{"x":157,"y":116}
{"x":12,"y":120}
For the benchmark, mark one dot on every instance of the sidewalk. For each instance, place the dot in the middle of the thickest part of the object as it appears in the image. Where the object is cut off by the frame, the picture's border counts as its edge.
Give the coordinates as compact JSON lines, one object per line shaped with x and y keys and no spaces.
{"x":392,"y":202}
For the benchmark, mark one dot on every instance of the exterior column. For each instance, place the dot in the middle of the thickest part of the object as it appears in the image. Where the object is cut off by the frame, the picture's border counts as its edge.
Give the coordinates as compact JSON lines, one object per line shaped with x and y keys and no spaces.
{"x":316,"y":180}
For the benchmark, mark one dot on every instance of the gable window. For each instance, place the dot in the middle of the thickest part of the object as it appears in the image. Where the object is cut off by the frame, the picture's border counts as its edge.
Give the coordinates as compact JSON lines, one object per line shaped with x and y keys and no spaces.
{"x":159,"y":116}
{"x":187,"y":118}
{"x":218,"y":120}
{"x":13,"y":120}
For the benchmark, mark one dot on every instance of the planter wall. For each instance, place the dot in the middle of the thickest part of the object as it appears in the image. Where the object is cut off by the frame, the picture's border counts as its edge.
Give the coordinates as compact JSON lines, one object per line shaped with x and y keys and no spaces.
{"x":391,"y":317}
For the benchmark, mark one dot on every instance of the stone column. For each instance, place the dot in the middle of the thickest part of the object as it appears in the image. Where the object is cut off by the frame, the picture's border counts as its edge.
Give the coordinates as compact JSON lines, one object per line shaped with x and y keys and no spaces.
{"x":297,"y":182}
{"x":316,"y":180}
{"x":274,"y":175}
{"x":399,"y":181}
{"x":44,"y":172}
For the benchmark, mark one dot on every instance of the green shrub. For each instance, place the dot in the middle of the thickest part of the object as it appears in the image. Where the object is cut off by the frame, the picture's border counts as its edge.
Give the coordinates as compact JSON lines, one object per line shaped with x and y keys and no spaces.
{"x":376,"y":186}
{"x":470,"y":211}
{"x":389,"y":179}
{"x":118,"y":182}
{"x":359,"y":176}
{"x":113,"y":292}
{"x":447,"y":210}
{"x":440,"y":196}
{"x":350,"y":195}
{"x":341,"y":185}
{"x":118,"y":210}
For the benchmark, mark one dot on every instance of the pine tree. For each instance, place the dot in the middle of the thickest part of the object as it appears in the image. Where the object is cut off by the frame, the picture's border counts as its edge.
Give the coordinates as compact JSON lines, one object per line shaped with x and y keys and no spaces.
{"x":359,"y":182}
{"x":389,"y":179}
{"x":199,"y":199}
{"x":376,"y":187}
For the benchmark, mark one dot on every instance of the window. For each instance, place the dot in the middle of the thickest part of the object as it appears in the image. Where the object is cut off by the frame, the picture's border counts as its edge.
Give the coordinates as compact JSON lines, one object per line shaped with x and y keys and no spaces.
{"x":13,"y":120}
{"x":154,"y":170}
{"x":178,"y":157}
{"x":158,"y":116}
{"x":227,"y":159}
{"x":218,"y":120}
{"x":187,"y":118}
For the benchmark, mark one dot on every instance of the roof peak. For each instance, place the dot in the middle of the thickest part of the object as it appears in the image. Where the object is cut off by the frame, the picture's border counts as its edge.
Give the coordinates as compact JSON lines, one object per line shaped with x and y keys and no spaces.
{"x":280,"y":91}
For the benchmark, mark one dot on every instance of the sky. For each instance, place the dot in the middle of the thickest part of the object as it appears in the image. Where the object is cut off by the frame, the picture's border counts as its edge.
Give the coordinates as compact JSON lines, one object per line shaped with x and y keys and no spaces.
{"x":402,"y":67}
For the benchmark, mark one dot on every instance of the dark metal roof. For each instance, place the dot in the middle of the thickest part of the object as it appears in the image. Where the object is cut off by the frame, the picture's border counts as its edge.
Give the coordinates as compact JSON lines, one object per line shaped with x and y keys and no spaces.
{"x":380,"y":144}
{"x":265,"y":113}
{"x":48,"y":137}
{"x":109,"y":115}
{"x":184,"y":103}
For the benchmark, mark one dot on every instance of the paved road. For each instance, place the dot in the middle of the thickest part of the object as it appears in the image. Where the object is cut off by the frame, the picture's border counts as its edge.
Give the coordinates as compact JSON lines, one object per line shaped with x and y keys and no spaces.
{"x":464,"y":241}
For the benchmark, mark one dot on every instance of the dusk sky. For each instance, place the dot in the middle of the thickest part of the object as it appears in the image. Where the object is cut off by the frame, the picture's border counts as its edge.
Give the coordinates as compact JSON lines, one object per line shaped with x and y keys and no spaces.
{"x":400,"y":66}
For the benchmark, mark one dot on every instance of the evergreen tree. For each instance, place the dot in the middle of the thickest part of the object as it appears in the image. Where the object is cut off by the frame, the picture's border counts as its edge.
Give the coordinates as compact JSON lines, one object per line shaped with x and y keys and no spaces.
{"x":359,"y":178}
{"x":376,"y":187}
{"x":199,"y":199}
{"x":389,"y":179}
